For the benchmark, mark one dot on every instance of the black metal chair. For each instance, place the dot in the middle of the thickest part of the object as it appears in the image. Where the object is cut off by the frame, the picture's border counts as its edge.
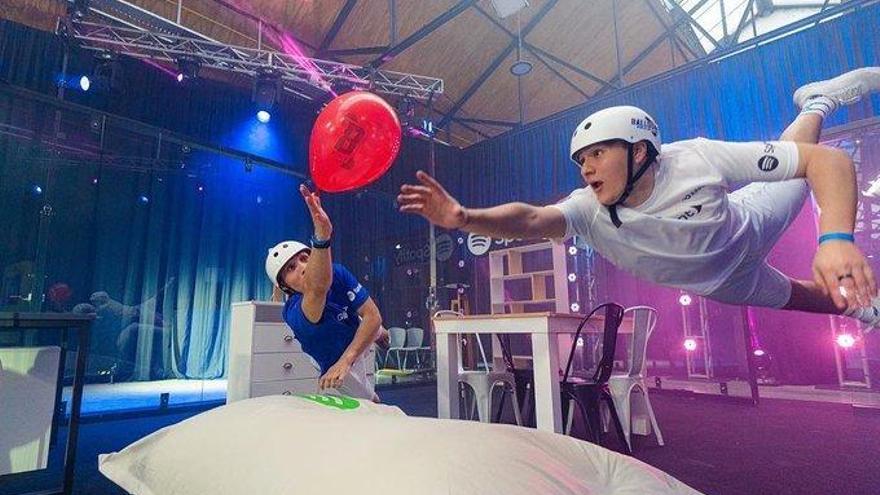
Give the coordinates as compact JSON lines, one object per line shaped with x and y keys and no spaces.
{"x":523,"y":378}
{"x":589,"y":392}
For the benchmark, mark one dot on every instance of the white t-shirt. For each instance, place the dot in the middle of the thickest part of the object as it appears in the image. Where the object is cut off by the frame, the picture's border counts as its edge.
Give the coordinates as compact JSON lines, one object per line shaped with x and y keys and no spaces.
{"x":686,"y":234}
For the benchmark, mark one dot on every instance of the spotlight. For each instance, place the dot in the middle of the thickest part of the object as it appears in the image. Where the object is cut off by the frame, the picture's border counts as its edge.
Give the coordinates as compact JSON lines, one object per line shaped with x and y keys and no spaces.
{"x":575,"y":307}
{"x":267,"y":91}
{"x":690,"y":345}
{"x":188,"y":68}
{"x":845,"y":340}
{"x":263,"y":116}
{"x":572,"y":277}
{"x":759,"y":352}
{"x":95,"y":181}
{"x":78,"y":8}
{"x":36,"y":190}
{"x":105,"y":73}
{"x":572,"y":250}
{"x":144,"y":199}
{"x":201,"y":188}
{"x":406,"y":111}
{"x":685,"y":300}
{"x":397,"y":246}
{"x":85,"y":83}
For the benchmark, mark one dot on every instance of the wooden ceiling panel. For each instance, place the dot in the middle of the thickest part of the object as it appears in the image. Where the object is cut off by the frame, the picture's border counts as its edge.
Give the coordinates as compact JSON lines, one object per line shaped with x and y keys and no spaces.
{"x":368,"y":24}
{"x":412,"y":15}
{"x":657,"y":62}
{"x":448,"y":54}
{"x":574,"y":44}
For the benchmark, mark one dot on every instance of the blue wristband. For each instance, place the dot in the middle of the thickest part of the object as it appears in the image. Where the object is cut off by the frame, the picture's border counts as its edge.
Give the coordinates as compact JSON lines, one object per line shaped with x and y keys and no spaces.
{"x":836,"y":236}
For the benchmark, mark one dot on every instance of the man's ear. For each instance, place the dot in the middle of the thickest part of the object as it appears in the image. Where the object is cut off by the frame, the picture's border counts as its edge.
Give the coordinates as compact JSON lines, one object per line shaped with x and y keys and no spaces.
{"x":640,"y":152}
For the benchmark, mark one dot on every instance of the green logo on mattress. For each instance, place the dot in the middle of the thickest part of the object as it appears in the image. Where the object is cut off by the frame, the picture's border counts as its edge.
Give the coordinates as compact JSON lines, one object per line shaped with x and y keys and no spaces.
{"x":337,"y":401}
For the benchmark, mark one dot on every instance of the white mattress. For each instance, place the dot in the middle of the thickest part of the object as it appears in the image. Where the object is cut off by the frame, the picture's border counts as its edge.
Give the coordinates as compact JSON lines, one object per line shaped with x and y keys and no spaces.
{"x":292,"y":445}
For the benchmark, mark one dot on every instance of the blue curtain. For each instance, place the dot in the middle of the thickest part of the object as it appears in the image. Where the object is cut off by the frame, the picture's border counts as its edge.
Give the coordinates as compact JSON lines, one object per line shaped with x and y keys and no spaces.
{"x":160,"y":248}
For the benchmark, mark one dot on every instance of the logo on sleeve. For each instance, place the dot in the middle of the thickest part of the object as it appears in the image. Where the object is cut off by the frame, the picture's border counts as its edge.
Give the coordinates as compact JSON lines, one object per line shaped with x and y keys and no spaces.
{"x":768,"y":163}
{"x":691,"y":212}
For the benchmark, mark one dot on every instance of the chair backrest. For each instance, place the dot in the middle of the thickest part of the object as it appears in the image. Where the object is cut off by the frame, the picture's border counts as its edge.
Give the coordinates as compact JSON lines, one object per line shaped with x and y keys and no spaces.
{"x":613,"y":317}
{"x":644,"y":321}
{"x":414,"y":337}
{"x":455,"y":314}
{"x":506,"y":355}
{"x":396,"y":337}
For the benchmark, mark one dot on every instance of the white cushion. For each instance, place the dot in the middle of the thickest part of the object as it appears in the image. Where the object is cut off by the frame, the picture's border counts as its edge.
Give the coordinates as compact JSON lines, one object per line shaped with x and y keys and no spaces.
{"x":291,"y":445}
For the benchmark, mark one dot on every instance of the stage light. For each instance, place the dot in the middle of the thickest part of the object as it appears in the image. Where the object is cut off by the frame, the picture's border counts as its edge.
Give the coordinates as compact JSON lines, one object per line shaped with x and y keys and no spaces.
{"x":144,"y":199}
{"x":78,"y":8}
{"x":95,"y":181}
{"x":85,"y":83}
{"x":188,"y":68}
{"x":397,"y":246}
{"x":572,"y":277}
{"x":37,"y":190}
{"x":759,"y":352}
{"x":201,"y":188}
{"x":685,"y":300}
{"x":572,"y":250}
{"x":575,"y":307}
{"x":267,"y":93}
{"x":845,"y":340}
{"x":690,"y":345}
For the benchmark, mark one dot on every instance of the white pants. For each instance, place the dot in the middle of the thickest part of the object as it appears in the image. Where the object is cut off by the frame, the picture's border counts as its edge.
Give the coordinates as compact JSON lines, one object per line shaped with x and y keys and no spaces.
{"x":771,"y":207}
{"x":357,"y":384}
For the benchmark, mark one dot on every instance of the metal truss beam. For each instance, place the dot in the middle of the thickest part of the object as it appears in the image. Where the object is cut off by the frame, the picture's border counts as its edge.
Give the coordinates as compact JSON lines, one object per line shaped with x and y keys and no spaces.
{"x":294,"y":70}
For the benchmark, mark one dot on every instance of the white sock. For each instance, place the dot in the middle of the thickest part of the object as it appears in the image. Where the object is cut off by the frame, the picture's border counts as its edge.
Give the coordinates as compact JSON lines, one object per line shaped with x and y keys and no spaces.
{"x":822,"y":106}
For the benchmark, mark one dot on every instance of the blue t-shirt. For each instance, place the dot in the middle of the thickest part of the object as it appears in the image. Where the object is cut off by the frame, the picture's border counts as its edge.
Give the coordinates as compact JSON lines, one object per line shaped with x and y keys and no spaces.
{"x":326,"y":340}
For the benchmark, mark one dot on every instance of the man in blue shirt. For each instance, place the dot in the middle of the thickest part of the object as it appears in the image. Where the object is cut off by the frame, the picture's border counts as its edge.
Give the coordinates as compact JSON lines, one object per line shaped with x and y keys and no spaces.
{"x":331,"y":314}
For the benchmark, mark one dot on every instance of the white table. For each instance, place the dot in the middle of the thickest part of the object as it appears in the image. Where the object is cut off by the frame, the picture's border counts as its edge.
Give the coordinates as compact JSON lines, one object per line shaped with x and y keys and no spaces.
{"x":544,"y":329}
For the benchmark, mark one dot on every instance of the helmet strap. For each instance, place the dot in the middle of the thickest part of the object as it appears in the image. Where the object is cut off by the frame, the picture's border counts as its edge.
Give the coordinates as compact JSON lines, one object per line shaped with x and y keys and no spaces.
{"x":630,"y":184}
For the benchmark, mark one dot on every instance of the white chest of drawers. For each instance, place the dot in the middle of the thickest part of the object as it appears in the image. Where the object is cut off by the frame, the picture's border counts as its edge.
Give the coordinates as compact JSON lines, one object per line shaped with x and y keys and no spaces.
{"x":264,"y":358}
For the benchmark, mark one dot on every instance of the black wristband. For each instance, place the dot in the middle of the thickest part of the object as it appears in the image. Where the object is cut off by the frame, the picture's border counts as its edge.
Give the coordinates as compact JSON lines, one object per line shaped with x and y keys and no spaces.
{"x":319,"y":244}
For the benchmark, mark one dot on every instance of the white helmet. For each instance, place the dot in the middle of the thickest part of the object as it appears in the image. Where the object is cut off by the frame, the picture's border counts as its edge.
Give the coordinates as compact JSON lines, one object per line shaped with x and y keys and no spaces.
{"x":279,"y":255}
{"x":627,"y":123}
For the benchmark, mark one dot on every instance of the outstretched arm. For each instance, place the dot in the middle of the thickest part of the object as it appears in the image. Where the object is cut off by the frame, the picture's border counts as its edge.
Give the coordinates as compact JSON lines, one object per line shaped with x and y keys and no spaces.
{"x":510,"y":220}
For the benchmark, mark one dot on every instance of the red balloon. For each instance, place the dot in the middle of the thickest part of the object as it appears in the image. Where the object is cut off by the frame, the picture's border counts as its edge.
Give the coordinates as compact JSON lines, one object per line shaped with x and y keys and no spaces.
{"x":354,"y":142}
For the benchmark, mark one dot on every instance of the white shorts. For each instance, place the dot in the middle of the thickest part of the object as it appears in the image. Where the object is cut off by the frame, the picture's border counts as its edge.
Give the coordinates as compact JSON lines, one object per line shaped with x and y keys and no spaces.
{"x":771,"y":208}
{"x":358,"y":383}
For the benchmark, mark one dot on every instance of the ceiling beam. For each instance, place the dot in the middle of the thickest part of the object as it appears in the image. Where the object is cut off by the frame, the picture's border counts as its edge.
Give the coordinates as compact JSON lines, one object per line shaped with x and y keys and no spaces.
{"x":424,"y":31}
{"x":747,"y":14}
{"x":687,"y":16}
{"x":496,"y":123}
{"x":364,"y":50}
{"x":534,"y":53}
{"x":341,"y":17}
{"x":669,"y":32}
{"x":475,"y":86}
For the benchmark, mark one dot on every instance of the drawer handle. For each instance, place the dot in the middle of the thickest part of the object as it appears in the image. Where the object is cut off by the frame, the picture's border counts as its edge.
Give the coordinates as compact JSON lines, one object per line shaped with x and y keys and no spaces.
{"x":287,"y":366}
{"x":287,"y":392}
{"x":288,"y":338}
